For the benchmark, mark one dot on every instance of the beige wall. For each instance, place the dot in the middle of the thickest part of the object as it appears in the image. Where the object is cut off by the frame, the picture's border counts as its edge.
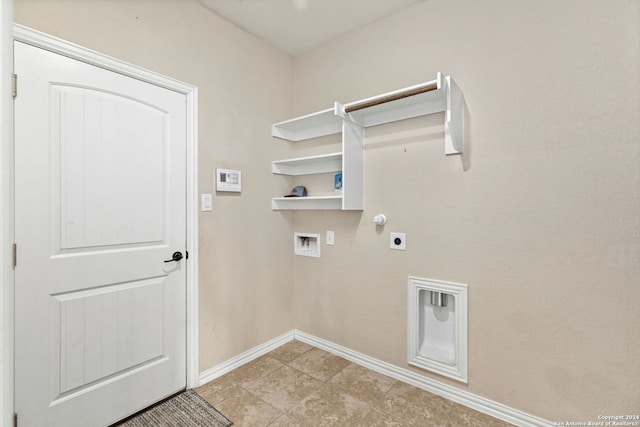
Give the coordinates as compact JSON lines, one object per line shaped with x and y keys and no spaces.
{"x":541,"y":216}
{"x":244,"y":86}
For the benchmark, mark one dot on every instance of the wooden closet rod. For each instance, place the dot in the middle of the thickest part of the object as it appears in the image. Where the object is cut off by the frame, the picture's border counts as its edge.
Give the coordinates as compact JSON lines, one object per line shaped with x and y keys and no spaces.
{"x":426,"y":88}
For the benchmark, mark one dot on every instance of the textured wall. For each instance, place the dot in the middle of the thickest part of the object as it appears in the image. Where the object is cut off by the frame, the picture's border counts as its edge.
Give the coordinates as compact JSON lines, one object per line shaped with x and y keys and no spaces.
{"x":540,"y":217}
{"x":245,"y":263}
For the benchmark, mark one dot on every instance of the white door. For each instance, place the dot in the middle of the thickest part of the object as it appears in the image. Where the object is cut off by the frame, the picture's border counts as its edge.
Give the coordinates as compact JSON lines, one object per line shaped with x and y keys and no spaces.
{"x":100,"y":181}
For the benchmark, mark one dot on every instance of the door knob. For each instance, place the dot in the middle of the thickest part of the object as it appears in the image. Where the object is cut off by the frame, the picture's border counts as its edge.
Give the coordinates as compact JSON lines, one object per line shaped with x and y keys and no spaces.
{"x":177,"y":256}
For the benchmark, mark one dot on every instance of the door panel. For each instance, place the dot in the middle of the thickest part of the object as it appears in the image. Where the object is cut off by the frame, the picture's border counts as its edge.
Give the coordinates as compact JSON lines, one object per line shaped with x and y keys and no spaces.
{"x":105,"y":332}
{"x":100,"y":173}
{"x":112,"y":161}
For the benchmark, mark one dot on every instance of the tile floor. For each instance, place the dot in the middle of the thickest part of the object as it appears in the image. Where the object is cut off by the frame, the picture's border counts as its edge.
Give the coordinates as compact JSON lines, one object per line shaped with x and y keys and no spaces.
{"x":300,"y":385}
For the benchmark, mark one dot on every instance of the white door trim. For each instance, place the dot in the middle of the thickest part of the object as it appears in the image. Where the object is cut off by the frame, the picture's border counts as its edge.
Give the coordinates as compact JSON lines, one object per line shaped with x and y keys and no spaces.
{"x":6,"y":214}
{"x":56,"y":45}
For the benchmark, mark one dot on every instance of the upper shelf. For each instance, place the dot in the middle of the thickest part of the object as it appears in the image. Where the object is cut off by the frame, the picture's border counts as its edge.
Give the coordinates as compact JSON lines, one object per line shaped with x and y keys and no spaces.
{"x":439,"y":95}
{"x":414,"y":101}
{"x":314,"y":125}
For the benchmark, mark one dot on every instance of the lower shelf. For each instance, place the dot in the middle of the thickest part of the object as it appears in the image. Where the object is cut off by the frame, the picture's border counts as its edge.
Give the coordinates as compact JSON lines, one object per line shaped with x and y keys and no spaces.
{"x":307,"y":203}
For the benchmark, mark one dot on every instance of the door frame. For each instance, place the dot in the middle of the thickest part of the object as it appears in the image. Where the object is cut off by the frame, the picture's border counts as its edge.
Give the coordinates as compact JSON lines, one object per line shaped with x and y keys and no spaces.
{"x":6,"y":214}
{"x":62,"y":47}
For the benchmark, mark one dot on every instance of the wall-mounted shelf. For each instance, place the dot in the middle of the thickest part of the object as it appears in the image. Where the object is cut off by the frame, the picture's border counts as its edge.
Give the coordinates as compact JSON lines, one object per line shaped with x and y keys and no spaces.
{"x":439,"y":95}
{"x":307,"y":203}
{"x":308,"y":165}
{"x":313,"y":125}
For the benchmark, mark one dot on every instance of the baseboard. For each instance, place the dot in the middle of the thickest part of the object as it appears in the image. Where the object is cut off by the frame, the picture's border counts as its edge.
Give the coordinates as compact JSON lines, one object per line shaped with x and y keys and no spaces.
{"x":243,"y":358}
{"x":479,"y":403}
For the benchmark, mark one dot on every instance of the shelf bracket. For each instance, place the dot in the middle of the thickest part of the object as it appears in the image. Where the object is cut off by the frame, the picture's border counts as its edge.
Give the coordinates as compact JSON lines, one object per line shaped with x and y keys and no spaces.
{"x":339,"y":111}
{"x":454,"y":118}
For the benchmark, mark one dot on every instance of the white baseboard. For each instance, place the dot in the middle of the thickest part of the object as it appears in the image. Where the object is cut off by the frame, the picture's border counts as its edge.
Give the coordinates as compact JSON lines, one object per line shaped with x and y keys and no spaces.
{"x":481,"y":404}
{"x":243,"y":358}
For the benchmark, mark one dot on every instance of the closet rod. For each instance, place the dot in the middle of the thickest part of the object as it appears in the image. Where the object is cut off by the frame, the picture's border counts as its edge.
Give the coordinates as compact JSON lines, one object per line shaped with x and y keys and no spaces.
{"x":393,"y":97}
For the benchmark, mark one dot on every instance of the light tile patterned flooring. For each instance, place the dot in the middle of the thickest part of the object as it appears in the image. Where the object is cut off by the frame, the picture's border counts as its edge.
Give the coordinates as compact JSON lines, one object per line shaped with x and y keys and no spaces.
{"x":300,"y":385}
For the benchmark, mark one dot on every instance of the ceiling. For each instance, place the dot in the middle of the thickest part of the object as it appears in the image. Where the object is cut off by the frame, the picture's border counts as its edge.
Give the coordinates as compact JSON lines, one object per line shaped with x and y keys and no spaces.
{"x":299,"y":26}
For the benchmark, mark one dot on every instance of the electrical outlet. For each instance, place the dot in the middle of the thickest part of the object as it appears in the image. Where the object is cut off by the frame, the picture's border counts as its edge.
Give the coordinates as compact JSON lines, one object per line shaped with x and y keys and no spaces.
{"x":398,"y":241}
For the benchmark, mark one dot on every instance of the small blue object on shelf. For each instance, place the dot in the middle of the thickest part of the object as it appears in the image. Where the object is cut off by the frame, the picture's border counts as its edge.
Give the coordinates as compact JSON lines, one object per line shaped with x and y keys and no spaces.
{"x":337,"y":183}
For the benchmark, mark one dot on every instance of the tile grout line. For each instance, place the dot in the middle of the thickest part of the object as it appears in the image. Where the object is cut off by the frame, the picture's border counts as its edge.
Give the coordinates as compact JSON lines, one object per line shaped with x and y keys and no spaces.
{"x":287,"y":364}
{"x":326,"y":382}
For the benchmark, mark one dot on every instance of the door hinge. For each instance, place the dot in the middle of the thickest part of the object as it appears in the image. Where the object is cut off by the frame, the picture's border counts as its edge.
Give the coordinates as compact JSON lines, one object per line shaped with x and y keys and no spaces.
{"x":14,"y":85}
{"x":14,"y":255}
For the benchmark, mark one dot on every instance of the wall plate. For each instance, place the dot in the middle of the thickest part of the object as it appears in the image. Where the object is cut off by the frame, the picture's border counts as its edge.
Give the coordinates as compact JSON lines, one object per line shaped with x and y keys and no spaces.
{"x":398,"y":241}
{"x":423,"y":342}
{"x":207,"y":203}
{"x":330,"y":237}
{"x":228,"y":180}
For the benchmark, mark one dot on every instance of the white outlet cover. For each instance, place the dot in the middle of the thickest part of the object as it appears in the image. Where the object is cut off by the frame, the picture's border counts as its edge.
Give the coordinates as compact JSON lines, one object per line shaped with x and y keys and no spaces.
{"x":330,"y":237}
{"x":401,"y":244}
